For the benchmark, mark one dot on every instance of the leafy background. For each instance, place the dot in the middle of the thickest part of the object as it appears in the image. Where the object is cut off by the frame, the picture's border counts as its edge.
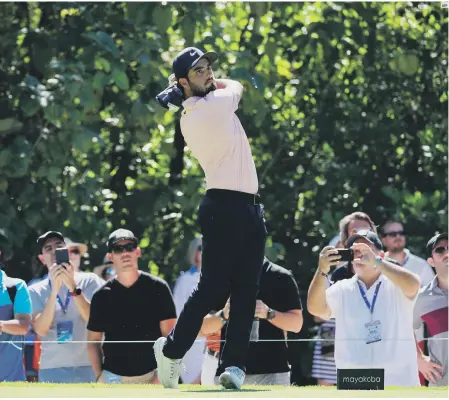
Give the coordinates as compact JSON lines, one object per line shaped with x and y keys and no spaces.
{"x":345,"y":107}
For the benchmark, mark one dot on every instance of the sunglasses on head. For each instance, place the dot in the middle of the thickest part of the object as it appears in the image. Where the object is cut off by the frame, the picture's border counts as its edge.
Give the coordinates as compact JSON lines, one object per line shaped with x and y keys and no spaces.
{"x":75,"y":251}
{"x":394,"y":234}
{"x":121,"y":248}
{"x":440,"y":249}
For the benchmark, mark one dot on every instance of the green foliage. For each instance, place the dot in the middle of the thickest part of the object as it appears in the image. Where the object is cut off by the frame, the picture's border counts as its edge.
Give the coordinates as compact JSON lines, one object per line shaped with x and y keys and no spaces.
{"x":345,"y":105}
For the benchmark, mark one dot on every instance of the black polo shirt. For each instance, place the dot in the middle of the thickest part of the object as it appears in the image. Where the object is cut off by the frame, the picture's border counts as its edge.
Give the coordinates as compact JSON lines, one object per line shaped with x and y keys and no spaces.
{"x":131,"y":314}
{"x":279,"y":291}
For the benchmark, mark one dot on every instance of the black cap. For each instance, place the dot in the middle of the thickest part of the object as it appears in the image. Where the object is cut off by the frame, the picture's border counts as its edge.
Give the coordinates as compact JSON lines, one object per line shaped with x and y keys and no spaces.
{"x":47,"y":235}
{"x":188,"y":58}
{"x":120,"y":234}
{"x":365,"y":234}
{"x":431,"y":244}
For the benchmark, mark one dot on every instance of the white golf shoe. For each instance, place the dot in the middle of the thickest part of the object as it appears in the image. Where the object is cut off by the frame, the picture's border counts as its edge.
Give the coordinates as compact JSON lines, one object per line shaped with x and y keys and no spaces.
{"x":232,"y":378}
{"x":168,"y":370}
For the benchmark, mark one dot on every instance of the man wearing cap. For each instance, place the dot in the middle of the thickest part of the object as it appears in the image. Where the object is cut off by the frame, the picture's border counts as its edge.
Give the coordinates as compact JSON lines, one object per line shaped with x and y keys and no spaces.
{"x":61,"y":307}
{"x":230,"y":210}
{"x":431,"y":309}
{"x":134,"y":306}
{"x":370,"y":309}
{"x":349,"y":225}
{"x":15,"y":316}
{"x":76,"y":252}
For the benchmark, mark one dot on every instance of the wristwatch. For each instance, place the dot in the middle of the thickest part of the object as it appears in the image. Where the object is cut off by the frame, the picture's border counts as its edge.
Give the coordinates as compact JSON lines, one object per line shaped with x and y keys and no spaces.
{"x":76,"y":292}
{"x":378,"y":261}
{"x":222,"y":317}
{"x":270,"y":314}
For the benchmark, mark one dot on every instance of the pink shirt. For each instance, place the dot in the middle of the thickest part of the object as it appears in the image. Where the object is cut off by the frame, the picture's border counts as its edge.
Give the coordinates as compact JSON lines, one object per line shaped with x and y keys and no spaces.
{"x":217,"y":139}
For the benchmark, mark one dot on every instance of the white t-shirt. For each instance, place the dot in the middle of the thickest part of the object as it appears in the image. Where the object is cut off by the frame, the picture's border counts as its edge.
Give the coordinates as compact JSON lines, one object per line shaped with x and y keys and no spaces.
{"x":396,"y":352}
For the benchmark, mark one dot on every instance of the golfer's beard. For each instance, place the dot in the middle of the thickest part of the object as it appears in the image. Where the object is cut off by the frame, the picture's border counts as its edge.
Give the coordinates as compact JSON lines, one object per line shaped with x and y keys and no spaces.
{"x":197,"y":91}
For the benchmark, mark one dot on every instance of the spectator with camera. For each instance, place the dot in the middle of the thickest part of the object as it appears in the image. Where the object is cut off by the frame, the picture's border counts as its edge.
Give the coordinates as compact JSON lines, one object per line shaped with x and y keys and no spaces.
{"x":134,"y":306}
{"x":15,"y":316}
{"x":32,"y":349}
{"x":61,"y":307}
{"x":184,"y":287}
{"x":278,"y":310}
{"x":370,"y":309}
{"x":349,"y":225}
{"x":76,"y":252}
{"x":394,"y":241}
{"x":431,"y":309}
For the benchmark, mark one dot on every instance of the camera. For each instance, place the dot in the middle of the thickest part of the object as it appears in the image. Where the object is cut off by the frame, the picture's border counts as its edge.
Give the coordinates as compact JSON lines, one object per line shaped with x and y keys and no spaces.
{"x":171,"y":98}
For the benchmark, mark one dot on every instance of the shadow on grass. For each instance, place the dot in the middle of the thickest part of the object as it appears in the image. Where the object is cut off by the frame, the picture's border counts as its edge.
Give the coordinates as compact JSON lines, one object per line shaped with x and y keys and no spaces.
{"x":225,"y":390}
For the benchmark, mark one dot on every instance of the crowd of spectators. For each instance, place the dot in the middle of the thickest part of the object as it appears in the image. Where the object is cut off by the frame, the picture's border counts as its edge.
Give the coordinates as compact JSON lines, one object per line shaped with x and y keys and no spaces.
{"x":74,"y":326}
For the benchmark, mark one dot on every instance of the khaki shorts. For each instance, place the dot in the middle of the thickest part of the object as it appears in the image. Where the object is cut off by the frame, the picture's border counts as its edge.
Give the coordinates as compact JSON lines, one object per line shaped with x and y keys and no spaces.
{"x":110,"y":378}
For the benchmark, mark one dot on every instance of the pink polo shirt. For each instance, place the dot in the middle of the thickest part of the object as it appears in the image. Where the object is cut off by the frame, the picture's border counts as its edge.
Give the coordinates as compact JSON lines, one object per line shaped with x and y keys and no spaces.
{"x":217,"y":139}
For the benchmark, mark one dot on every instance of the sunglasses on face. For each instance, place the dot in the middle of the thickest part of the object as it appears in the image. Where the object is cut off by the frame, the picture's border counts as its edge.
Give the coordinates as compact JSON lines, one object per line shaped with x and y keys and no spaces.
{"x":440,"y":250}
{"x":394,"y":234}
{"x":75,"y":251}
{"x":200,"y":248}
{"x":121,"y":248}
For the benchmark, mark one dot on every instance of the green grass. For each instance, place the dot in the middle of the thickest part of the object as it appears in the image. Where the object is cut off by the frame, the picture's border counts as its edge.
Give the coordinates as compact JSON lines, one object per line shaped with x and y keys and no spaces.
{"x":49,"y":390}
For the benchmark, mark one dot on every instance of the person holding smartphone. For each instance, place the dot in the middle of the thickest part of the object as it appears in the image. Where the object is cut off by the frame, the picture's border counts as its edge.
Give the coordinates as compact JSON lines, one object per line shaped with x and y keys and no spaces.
{"x":61,"y":307}
{"x":373,"y":310}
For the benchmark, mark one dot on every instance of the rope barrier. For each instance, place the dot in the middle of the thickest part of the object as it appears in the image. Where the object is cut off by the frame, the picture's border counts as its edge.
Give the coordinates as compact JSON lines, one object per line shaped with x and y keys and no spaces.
{"x":260,"y":340}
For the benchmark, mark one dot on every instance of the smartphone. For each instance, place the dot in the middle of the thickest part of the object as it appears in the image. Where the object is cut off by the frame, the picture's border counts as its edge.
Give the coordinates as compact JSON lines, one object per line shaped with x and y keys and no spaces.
{"x":346,"y":254}
{"x":62,"y":256}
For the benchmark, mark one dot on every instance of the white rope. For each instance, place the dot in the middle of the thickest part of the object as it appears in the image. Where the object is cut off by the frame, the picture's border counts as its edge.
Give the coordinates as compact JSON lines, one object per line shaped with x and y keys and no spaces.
{"x":260,"y":340}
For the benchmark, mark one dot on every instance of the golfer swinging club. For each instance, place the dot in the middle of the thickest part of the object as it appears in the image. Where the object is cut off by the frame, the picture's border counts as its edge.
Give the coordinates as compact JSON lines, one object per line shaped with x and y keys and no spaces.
{"x":230,"y":217}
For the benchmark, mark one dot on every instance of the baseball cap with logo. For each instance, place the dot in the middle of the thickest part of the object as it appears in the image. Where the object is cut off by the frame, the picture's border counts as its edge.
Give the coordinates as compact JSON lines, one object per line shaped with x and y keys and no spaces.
{"x":365,"y":234}
{"x":188,"y":58}
{"x":431,"y":244}
{"x":120,"y":234}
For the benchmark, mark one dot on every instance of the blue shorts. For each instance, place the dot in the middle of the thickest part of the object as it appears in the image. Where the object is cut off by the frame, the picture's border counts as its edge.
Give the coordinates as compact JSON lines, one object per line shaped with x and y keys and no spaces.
{"x":67,"y":375}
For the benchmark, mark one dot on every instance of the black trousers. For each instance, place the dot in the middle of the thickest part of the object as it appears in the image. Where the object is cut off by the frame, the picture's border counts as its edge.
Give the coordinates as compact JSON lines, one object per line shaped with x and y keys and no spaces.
{"x":234,"y":236}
